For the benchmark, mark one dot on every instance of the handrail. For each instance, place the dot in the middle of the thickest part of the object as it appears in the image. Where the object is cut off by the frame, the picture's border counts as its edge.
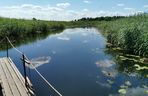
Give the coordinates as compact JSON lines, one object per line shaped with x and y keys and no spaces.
{"x":25,"y":58}
{"x":13,"y":46}
{"x":2,"y":40}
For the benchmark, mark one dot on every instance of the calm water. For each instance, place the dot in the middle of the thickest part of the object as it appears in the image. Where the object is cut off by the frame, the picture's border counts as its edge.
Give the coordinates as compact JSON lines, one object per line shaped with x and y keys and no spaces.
{"x":76,"y":63}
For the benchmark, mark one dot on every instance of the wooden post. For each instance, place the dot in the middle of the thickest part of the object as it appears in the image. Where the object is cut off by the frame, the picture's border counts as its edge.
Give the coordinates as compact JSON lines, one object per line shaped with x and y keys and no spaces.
{"x":7,"y":47}
{"x":24,"y":69}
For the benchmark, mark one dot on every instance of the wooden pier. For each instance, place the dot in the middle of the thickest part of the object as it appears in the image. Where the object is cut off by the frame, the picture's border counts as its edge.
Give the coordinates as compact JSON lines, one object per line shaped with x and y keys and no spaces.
{"x":12,"y":83}
{"x":11,"y":80}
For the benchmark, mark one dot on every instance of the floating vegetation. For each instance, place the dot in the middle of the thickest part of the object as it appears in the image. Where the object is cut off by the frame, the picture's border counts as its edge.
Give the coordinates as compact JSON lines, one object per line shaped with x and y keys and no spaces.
{"x":116,"y":49}
{"x":122,"y":91}
{"x":131,"y":65}
{"x":128,"y":83}
{"x":146,"y":91}
{"x":138,"y":67}
{"x":135,"y":59}
{"x":110,"y":81}
{"x":138,"y":91}
{"x":125,"y":90}
{"x":108,"y":44}
{"x":123,"y":87}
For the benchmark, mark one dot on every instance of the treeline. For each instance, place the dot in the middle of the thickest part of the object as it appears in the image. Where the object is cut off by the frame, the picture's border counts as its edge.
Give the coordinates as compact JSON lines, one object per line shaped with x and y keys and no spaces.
{"x":130,"y":33}
{"x":21,"y":27}
{"x":107,"y":18}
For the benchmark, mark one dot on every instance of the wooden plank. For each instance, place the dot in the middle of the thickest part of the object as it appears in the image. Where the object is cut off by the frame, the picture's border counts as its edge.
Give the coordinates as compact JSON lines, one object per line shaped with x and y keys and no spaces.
{"x":20,"y":86}
{"x":19,"y":74}
{"x":13,"y":82}
{"x":10,"y":80}
{"x":5,"y":83}
{"x":21,"y":77}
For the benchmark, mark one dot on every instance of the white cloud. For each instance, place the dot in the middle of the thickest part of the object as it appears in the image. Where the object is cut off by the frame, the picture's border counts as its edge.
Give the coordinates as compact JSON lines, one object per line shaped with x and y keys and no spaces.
{"x":145,"y":6}
{"x":27,"y":6}
{"x":63,"y":5}
{"x":140,"y":11}
{"x":130,"y":9}
{"x":85,"y":10}
{"x":86,"y":1}
{"x":120,"y":5}
{"x":57,"y":12}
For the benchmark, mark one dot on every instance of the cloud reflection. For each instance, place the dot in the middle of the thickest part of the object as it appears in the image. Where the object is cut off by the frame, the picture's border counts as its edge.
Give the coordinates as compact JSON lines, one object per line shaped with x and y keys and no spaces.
{"x":85,"y":41}
{"x":137,"y":91}
{"x":107,"y":67}
{"x":107,"y":85}
{"x":36,"y":62}
{"x":63,"y":38}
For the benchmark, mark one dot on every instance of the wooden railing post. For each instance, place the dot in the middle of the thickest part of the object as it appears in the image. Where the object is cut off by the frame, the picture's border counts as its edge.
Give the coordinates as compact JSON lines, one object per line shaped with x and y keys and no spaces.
{"x":7,"y":47}
{"x":25,"y":76}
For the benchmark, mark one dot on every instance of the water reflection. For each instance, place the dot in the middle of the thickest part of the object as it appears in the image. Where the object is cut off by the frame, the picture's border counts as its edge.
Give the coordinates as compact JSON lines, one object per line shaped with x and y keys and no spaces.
{"x":128,"y":64}
{"x":138,"y":91}
{"x":81,"y":65}
{"x":107,"y":67}
{"x":36,"y":62}
{"x":106,"y":85}
{"x":132,"y":68}
{"x":85,"y":41}
{"x":28,"y":39}
{"x":64,"y":38}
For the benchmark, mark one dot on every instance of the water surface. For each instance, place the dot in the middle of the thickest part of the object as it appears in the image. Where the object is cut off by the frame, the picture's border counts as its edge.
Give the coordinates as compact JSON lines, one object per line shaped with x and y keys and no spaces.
{"x":76,"y":63}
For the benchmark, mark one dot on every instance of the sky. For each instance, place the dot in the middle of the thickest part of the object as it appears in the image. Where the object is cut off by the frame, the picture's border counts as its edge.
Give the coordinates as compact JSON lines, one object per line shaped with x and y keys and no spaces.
{"x":65,"y":10}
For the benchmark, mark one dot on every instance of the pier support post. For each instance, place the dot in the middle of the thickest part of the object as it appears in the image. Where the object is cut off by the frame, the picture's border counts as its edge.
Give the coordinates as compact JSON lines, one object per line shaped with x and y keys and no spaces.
{"x":7,"y":47}
{"x":25,"y":76}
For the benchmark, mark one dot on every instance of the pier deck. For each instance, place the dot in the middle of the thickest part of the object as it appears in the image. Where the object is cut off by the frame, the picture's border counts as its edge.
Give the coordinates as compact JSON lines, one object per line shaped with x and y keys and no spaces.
{"x":11,"y":80}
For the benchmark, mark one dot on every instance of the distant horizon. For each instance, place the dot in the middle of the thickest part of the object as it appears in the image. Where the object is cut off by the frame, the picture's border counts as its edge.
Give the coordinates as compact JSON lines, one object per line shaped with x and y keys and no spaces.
{"x":65,"y":10}
{"x":71,"y":20}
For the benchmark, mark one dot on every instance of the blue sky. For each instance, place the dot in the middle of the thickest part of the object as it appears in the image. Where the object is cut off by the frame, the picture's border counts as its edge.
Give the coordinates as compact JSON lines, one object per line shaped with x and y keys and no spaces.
{"x":70,"y":9}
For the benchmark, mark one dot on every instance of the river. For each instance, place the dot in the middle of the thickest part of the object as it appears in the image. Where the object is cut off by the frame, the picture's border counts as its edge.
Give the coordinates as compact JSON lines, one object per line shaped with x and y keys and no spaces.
{"x":76,"y":63}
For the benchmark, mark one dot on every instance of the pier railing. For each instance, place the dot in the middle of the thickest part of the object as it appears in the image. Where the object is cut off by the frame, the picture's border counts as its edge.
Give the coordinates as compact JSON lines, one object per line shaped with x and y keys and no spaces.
{"x":25,"y":61}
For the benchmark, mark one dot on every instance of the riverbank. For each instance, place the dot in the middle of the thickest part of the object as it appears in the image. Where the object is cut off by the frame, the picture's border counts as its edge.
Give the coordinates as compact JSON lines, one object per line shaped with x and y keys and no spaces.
{"x":128,"y":33}
{"x":17,"y":28}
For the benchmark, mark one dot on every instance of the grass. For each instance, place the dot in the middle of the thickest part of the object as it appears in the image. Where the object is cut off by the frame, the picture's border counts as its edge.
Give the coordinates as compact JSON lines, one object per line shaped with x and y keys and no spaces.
{"x":126,"y":33}
{"x":21,"y":28}
{"x":130,"y":34}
